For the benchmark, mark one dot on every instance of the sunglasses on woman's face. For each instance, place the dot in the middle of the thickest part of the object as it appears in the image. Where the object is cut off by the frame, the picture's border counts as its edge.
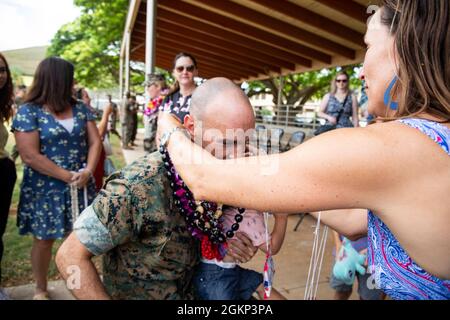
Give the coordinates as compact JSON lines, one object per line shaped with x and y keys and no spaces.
{"x":342,"y":81}
{"x":190,"y":68}
{"x":2,"y":69}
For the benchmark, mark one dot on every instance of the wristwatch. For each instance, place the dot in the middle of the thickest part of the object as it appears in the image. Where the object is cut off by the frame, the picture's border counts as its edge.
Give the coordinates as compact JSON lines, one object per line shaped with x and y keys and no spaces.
{"x":166,"y":136}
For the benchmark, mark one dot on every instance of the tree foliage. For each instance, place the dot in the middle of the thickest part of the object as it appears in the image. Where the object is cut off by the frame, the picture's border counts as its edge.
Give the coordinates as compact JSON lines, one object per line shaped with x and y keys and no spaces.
{"x":16,"y":75}
{"x":92,"y":42}
{"x":297,"y":89}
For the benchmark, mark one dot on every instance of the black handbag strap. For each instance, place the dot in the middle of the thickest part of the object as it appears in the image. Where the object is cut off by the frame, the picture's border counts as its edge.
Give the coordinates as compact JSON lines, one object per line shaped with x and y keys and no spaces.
{"x":341,"y":112}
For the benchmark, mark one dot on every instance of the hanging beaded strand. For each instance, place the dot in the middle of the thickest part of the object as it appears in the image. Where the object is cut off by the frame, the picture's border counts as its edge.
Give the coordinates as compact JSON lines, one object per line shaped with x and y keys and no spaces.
{"x":202,"y":217}
{"x":74,"y":202}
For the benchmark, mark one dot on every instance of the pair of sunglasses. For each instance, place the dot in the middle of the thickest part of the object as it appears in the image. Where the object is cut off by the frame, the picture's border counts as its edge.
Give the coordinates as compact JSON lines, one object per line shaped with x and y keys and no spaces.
{"x":2,"y":69}
{"x":190,"y":68}
{"x":343,"y":81}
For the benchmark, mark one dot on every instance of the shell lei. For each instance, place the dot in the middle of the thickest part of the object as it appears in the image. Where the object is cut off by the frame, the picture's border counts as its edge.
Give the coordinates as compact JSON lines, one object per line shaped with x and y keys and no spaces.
{"x":75,"y":204}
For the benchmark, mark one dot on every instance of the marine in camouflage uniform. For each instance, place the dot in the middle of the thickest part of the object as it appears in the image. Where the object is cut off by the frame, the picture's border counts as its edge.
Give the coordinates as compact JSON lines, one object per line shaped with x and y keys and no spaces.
{"x":129,"y":123}
{"x":148,"y":253}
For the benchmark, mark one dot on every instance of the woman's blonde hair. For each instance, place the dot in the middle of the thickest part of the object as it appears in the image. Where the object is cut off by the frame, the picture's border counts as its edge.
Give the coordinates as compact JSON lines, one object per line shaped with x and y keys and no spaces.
{"x":422,"y":41}
{"x":333,"y":89}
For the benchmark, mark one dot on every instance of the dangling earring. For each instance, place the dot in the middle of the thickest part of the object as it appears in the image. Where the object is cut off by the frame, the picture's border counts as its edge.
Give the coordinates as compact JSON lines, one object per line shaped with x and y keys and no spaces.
{"x":387,"y":96}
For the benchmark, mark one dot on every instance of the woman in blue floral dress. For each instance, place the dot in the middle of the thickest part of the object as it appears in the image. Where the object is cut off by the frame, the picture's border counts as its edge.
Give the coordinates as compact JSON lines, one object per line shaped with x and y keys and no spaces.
{"x":59,"y":144}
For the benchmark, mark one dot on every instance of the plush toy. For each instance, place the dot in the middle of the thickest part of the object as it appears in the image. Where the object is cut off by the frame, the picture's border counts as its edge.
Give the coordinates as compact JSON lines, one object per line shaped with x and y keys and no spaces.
{"x":348,"y":262}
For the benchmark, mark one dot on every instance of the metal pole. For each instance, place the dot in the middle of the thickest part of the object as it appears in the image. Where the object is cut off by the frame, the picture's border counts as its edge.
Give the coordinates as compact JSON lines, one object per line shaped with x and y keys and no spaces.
{"x":287,"y":117}
{"x":150,"y":57}
{"x":121,"y":76}
{"x":280,"y":92}
{"x":127,"y":63}
{"x":150,"y":36}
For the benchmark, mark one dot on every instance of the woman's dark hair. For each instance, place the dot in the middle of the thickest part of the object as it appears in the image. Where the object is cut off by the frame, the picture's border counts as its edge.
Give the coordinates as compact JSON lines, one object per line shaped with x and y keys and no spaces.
{"x":422,"y":42}
{"x":79,"y":93}
{"x":6,"y":94}
{"x":52,"y":85}
{"x":176,"y":86}
{"x":184,"y":55}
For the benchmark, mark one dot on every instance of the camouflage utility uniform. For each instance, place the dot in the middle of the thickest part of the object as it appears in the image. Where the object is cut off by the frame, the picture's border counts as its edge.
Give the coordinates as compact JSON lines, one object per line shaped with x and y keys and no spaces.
{"x":129,"y":124}
{"x":148,"y":252}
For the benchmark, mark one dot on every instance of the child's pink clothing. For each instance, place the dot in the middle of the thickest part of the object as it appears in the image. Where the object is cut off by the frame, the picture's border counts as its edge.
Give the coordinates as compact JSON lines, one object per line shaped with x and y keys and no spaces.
{"x":252,"y":224}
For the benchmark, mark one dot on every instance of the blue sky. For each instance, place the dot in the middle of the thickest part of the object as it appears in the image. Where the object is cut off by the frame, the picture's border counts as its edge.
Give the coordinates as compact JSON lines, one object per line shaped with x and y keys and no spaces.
{"x":30,"y":23}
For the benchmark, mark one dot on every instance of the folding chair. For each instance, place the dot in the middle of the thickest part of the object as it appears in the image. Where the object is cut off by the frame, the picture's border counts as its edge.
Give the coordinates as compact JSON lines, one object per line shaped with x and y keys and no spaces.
{"x":297,"y":138}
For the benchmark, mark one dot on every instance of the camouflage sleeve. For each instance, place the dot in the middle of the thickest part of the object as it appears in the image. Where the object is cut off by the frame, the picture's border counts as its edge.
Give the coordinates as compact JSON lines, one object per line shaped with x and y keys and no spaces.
{"x":92,"y":233}
{"x":114,"y":209}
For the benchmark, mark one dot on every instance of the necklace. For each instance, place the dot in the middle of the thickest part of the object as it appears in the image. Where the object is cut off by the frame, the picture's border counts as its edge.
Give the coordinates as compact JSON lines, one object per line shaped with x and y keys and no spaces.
{"x":153,"y":106}
{"x":202,"y":217}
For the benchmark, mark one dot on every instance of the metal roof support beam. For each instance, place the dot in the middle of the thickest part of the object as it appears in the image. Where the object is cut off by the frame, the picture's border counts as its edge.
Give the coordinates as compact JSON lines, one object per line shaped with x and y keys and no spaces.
{"x":122,"y":58}
{"x":127,"y":62}
{"x":133,"y":11}
{"x":150,"y":42}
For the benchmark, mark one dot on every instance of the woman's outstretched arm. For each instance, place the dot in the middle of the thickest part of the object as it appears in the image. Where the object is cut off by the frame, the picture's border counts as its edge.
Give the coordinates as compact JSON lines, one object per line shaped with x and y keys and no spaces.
{"x":351,"y":223}
{"x":342,"y":169}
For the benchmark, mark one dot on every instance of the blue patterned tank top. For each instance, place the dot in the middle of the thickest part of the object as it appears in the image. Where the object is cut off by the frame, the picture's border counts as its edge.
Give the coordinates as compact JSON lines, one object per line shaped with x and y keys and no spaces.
{"x":393,"y":269}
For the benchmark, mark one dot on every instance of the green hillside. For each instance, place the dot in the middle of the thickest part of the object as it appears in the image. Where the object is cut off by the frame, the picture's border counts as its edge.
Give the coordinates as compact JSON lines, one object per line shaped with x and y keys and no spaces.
{"x":26,"y":60}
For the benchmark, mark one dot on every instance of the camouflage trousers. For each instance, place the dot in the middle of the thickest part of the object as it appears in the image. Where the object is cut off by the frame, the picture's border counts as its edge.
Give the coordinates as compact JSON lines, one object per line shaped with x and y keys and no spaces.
{"x":151,"y":125}
{"x":129,"y":130}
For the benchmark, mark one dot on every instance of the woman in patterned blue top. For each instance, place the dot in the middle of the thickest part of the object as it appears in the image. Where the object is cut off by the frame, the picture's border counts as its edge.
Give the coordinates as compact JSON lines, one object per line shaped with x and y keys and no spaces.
{"x":59,"y":144}
{"x":340,"y":104}
{"x":178,"y":100}
{"x":398,"y":168}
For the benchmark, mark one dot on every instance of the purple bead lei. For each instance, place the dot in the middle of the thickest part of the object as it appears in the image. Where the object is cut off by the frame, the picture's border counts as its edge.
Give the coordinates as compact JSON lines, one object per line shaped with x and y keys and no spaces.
{"x":199,"y":224}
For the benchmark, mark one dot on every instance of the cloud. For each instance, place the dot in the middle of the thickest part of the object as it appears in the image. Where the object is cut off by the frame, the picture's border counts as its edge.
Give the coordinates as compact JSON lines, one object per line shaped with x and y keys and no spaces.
{"x":28,"y":23}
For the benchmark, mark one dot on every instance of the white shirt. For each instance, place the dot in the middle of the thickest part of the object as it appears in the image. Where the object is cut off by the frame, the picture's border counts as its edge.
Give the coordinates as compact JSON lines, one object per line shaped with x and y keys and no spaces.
{"x":67,"y":124}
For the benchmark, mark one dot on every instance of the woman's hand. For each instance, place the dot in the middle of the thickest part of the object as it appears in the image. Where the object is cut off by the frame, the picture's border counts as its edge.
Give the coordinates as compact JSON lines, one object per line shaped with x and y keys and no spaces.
{"x":166,"y":122}
{"x":67,"y":176}
{"x":332,"y":120}
{"x":80,"y":179}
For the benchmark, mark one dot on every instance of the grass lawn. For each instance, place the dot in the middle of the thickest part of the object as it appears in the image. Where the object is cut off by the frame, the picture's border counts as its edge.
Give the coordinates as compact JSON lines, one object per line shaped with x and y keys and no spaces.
{"x":16,"y":265}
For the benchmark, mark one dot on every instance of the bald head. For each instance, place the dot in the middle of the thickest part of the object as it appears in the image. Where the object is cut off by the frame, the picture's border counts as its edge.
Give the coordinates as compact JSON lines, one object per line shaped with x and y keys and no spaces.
{"x":223,"y":112}
{"x":219,"y":96}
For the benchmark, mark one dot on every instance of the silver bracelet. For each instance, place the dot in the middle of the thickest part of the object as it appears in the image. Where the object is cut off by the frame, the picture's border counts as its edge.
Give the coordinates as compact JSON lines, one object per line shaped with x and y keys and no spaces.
{"x":166,"y":136}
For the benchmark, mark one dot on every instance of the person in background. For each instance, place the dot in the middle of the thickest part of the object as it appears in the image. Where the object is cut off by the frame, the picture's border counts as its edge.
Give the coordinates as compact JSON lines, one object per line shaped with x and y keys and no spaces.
{"x":154,"y":86}
{"x":363,"y":103}
{"x":113,"y":117}
{"x":7,"y":167}
{"x":134,"y":108}
{"x":130,"y":109}
{"x":179,"y":97}
{"x":59,"y":145}
{"x":18,"y":101}
{"x":98,"y":174}
{"x":339,"y":105}
{"x":102,"y":126}
{"x":83,"y":95}
{"x":20,"y":96}
{"x":342,"y":290}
